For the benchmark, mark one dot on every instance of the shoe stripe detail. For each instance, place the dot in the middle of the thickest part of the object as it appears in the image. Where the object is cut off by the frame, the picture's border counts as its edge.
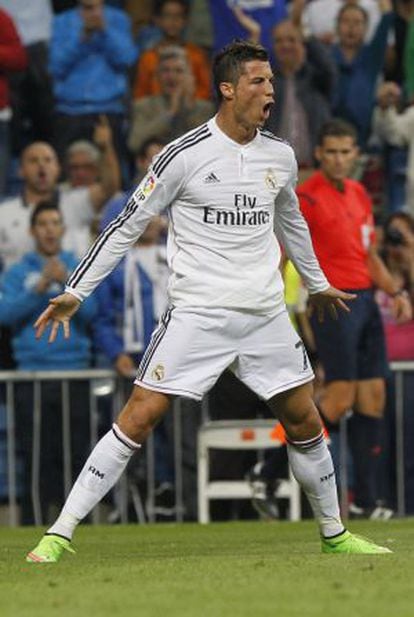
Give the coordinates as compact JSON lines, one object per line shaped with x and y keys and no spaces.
{"x":59,"y":535}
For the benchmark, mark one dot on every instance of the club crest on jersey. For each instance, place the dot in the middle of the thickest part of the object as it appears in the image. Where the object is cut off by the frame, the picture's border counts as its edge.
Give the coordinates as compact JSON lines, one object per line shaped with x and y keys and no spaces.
{"x":270,"y":180}
{"x":158,"y":373}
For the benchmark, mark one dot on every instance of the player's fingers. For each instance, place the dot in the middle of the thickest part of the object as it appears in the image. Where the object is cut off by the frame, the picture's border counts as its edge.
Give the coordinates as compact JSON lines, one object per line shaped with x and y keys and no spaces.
{"x":66,"y":328}
{"x":40,"y":327}
{"x":43,"y":317}
{"x":53,"y":331}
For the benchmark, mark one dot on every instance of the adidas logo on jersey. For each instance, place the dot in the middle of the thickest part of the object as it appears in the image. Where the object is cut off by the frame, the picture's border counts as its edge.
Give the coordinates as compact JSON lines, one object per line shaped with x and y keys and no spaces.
{"x":211,"y":178}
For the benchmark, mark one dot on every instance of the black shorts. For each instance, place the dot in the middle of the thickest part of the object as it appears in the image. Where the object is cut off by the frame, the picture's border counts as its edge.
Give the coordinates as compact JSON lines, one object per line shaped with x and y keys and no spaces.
{"x":353,"y":346}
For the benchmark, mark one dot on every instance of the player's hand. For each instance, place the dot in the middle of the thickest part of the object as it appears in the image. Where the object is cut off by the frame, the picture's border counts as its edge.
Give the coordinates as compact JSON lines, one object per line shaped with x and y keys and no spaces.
{"x":59,"y":312}
{"x":402,"y":308}
{"x":330,"y":300}
{"x":124,"y":365}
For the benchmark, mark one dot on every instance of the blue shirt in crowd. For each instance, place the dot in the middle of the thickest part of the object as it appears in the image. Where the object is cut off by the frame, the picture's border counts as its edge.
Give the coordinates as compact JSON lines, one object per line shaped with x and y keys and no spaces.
{"x":20,"y":306}
{"x":91,"y":76}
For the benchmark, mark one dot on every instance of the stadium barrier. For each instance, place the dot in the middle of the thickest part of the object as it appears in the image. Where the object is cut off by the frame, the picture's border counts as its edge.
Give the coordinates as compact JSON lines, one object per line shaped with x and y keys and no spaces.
{"x":104,"y":382}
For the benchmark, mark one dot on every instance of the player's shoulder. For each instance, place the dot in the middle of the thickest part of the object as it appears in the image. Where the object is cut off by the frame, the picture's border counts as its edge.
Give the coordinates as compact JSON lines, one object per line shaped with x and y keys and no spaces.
{"x":275,"y":141}
{"x":10,"y":204}
{"x":357,"y":187}
{"x":191,"y":143}
{"x":277,"y":146}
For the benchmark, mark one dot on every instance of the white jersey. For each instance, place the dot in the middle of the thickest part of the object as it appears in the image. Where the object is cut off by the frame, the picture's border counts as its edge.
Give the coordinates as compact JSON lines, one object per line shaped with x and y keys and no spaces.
{"x":224,"y":201}
{"x":15,"y":239}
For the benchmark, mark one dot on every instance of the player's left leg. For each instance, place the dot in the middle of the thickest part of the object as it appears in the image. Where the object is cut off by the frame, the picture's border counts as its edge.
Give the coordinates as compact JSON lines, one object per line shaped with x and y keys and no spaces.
{"x":309,"y":455}
{"x":312,"y":467}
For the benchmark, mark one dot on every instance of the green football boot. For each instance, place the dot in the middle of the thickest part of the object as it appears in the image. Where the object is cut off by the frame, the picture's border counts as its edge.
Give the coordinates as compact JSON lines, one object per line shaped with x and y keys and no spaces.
{"x":49,"y":550}
{"x":349,"y":544}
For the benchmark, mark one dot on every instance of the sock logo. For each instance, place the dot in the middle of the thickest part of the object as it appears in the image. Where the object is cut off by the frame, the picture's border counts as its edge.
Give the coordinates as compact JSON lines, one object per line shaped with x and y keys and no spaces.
{"x":96,"y":472}
{"x":328,"y":476}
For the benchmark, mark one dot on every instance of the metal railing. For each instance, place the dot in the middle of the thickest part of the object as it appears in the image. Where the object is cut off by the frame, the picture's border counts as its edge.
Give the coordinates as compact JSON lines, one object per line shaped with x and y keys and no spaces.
{"x":126,"y":490}
{"x":98,"y":379}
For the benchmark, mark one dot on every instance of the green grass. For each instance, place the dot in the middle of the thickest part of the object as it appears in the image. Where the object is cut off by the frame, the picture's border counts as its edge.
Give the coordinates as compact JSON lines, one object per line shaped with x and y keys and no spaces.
{"x":219,"y":570}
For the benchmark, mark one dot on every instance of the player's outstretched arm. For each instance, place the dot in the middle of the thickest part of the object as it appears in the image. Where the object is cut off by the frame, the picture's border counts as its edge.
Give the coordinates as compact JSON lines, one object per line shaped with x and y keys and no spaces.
{"x":59,"y":312}
{"x":330,"y":300}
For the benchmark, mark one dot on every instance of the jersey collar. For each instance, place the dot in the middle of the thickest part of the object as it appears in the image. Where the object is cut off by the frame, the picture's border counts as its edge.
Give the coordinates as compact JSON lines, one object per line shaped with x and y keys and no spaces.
{"x":214,"y":128}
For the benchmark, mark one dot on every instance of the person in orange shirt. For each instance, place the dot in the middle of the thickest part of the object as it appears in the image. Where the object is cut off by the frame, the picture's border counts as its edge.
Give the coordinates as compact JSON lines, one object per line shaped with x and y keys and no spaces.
{"x":171,"y":17}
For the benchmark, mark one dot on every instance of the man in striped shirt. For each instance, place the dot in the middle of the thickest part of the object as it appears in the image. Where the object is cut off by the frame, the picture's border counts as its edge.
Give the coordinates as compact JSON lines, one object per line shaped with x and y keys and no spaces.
{"x":228,"y":186}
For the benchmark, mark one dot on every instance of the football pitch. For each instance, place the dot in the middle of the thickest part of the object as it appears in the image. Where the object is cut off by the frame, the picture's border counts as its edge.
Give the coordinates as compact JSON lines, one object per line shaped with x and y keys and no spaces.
{"x":250,"y":569}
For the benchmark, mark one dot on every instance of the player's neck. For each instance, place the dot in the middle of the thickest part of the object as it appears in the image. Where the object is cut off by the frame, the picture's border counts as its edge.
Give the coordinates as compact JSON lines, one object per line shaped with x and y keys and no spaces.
{"x":237,"y":131}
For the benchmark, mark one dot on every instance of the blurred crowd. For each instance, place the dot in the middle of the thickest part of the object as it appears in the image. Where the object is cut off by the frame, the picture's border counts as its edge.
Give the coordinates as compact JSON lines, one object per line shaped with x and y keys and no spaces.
{"x":92,"y":90}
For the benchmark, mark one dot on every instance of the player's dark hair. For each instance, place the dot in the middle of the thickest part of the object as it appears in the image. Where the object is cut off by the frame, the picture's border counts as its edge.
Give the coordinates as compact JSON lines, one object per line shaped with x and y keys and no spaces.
{"x":337,"y":128}
{"x":401,"y":216}
{"x":159,"y":5}
{"x":228,"y":64}
{"x":349,"y":7}
{"x":43,"y":206}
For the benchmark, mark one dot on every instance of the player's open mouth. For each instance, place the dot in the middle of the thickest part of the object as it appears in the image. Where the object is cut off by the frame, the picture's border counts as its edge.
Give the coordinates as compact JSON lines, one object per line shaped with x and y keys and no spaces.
{"x":266,"y":109}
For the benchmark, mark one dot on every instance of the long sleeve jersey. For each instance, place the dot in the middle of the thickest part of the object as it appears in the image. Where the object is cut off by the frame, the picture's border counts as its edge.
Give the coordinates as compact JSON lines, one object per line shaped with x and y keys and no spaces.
{"x":225,"y":202}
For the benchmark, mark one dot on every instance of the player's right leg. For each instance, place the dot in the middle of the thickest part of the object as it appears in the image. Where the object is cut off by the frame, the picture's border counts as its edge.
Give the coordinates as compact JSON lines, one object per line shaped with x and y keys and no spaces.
{"x":102,"y":470}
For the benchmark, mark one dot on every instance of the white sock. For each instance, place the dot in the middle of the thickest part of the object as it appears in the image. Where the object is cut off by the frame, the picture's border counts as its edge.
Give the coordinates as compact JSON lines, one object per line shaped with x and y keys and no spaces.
{"x":313,"y":468}
{"x":101,"y":471}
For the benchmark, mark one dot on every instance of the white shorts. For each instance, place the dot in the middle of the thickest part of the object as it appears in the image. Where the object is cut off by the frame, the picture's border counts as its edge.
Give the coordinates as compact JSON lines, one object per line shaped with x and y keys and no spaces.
{"x":191,"y":347}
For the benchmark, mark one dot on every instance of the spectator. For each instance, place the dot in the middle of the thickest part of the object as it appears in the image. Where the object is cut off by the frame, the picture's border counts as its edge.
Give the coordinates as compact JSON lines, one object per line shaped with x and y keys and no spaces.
{"x":91,"y":51}
{"x":32,"y":90}
{"x":352,"y":348}
{"x":397,"y":129}
{"x":399,"y":257}
{"x":26,"y":289}
{"x":175,"y":110}
{"x":359,"y":65}
{"x":39,"y":169}
{"x":319,"y":17}
{"x":306,"y":78}
{"x":12,"y":58}
{"x":243,"y":19}
{"x":171,"y":18}
{"x":87,"y":162}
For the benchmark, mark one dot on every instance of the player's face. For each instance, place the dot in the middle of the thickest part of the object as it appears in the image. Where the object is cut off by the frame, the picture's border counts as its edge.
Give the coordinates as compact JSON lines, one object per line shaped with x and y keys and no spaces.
{"x":48,"y":231}
{"x":337,"y":156}
{"x":253,"y":95}
{"x":352,"y":28}
{"x":40,"y":168}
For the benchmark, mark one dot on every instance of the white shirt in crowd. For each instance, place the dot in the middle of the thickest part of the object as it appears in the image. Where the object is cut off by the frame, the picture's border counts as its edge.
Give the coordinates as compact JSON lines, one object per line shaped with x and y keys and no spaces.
{"x":224,"y":200}
{"x":319,"y":16}
{"x":15,"y":238}
{"x":32,"y":18}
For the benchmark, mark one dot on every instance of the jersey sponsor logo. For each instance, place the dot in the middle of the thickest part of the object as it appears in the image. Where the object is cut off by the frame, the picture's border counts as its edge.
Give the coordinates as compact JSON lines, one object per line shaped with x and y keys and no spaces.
{"x":211,"y":178}
{"x":233,"y":218}
{"x":244,"y":214}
